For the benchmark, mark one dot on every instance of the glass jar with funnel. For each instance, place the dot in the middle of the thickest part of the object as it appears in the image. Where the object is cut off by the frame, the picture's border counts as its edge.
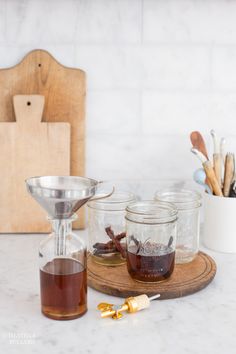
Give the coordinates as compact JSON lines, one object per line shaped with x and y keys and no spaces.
{"x":62,"y":255}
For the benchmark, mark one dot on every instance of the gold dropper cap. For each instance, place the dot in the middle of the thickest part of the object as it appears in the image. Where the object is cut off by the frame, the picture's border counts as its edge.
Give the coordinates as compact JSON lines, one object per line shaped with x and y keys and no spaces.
{"x":132,"y":304}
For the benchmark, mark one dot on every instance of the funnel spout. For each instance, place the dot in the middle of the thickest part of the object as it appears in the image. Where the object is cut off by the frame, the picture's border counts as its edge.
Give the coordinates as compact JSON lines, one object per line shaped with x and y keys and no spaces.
{"x":61,"y":229}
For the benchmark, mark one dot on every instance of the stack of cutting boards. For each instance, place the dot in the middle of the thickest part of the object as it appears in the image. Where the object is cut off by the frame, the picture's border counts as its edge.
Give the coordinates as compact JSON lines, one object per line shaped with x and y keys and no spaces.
{"x":41,"y":133}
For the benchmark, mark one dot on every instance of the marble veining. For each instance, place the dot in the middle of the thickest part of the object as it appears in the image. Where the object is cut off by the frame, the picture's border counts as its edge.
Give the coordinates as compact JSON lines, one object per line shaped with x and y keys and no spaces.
{"x":156,"y":69}
{"x":201,"y":323}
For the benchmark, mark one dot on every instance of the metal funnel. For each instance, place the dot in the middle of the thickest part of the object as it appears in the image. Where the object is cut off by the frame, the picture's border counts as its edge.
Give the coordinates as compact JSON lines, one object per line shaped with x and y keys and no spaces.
{"x":60,"y":196}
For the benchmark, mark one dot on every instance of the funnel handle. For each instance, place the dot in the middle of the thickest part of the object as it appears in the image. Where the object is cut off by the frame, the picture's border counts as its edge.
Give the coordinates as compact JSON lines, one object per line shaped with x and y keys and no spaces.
{"x":103,"y":196}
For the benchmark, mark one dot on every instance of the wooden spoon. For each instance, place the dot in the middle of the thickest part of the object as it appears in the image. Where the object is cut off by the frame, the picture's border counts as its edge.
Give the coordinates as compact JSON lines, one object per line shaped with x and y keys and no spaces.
{"x":198,"y":143}
{"x":229,"y":173}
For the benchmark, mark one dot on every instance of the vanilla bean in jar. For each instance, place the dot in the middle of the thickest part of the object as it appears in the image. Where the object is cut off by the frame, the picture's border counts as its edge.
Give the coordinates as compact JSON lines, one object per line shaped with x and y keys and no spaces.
{"x":106,"y":227}
{"x":151,"y":237}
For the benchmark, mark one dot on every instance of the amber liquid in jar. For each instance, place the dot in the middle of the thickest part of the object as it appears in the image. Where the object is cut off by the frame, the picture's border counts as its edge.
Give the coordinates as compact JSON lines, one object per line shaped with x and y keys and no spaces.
{"x":63,"y":284}
{"x":155,"y":266}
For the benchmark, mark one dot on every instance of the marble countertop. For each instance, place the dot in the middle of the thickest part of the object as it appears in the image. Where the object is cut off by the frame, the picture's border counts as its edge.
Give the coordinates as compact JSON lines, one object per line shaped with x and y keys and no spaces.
{"x":204,"y":322}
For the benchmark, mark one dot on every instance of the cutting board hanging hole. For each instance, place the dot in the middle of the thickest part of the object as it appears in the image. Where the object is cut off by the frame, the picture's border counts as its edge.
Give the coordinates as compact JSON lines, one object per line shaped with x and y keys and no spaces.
{"x":28,"y":109}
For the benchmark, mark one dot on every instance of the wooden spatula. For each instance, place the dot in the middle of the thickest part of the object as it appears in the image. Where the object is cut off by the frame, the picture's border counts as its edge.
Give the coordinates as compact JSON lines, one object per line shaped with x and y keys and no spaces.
{"x":217,"y":159}
{"x":229,"y":173}
{"x":198,"y":143}
{"x":211,"y":177}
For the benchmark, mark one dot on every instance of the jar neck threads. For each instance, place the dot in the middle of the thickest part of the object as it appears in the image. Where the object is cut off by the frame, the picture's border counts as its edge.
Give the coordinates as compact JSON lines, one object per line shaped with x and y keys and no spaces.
{"x":183,"y":199}
{"x":151,"y":212}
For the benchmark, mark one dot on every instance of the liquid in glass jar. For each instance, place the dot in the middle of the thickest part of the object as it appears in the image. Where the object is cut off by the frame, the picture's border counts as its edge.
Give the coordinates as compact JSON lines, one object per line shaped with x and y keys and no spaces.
{"x":153,"y":263}
{"x":63,"y":289}
{"x":151,"y":239}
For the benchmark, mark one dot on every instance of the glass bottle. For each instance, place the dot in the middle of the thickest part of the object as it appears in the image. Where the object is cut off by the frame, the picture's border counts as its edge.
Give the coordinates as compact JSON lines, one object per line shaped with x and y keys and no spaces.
{"x":63,"y":278}
{"x":151,"y":237}
{"x":188,"y":204}
{"x":63,"y":254}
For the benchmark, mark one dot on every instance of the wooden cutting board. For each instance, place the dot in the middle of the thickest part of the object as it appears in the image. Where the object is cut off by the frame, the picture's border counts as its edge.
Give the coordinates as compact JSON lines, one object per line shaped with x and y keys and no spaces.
{"x":29,"y":148}
{"x":64,"y":92}
{"x":185,"y":280}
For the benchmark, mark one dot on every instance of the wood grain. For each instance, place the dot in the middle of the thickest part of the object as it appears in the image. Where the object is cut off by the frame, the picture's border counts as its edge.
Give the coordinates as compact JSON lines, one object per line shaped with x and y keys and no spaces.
{"x":199,"y":143}
{"x":64,"y":92}
{"x":217,"y":162}
{"x":29,"y":148}
{"x":228,"y":173}
{"x":185,"y":280}
{"x":210,"y":173}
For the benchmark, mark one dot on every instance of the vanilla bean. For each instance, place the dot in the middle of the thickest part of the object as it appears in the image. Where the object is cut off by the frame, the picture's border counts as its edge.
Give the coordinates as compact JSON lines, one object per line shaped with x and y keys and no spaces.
{"x":120,"y":236}
{"x":116,"y":242}
{"x":107,"y":245}
{"x":170,"y":241}
{"x":110,"y":232}
{"x":111,"y":246}
{"x":137,"y":243}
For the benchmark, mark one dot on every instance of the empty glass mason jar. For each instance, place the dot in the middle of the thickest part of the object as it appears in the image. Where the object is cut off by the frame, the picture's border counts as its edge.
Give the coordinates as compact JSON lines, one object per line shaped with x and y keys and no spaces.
{"x":106,"y":227}
{"x":188,"y":204}
{"x":151,"y":237}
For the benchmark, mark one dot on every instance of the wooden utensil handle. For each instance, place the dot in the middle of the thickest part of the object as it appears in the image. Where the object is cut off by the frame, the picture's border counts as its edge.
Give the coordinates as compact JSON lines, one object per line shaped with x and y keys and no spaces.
{"x":212,"y":178}
{"x":217,"y":167}
{"x":229,"y":173}
{"x":208,"y":183}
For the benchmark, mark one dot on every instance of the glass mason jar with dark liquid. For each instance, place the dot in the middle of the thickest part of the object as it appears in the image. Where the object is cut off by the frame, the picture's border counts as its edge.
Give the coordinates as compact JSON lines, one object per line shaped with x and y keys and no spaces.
{"x":151,"y":238}
{"x":63,"y":278}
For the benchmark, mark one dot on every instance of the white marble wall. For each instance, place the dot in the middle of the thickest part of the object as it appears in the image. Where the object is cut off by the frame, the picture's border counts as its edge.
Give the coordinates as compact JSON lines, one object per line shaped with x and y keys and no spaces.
{"x":156,"y":69}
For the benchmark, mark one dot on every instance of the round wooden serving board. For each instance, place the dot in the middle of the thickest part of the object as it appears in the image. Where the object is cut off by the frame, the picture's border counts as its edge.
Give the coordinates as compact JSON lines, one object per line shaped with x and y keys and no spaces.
{"x":185,"y":280}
